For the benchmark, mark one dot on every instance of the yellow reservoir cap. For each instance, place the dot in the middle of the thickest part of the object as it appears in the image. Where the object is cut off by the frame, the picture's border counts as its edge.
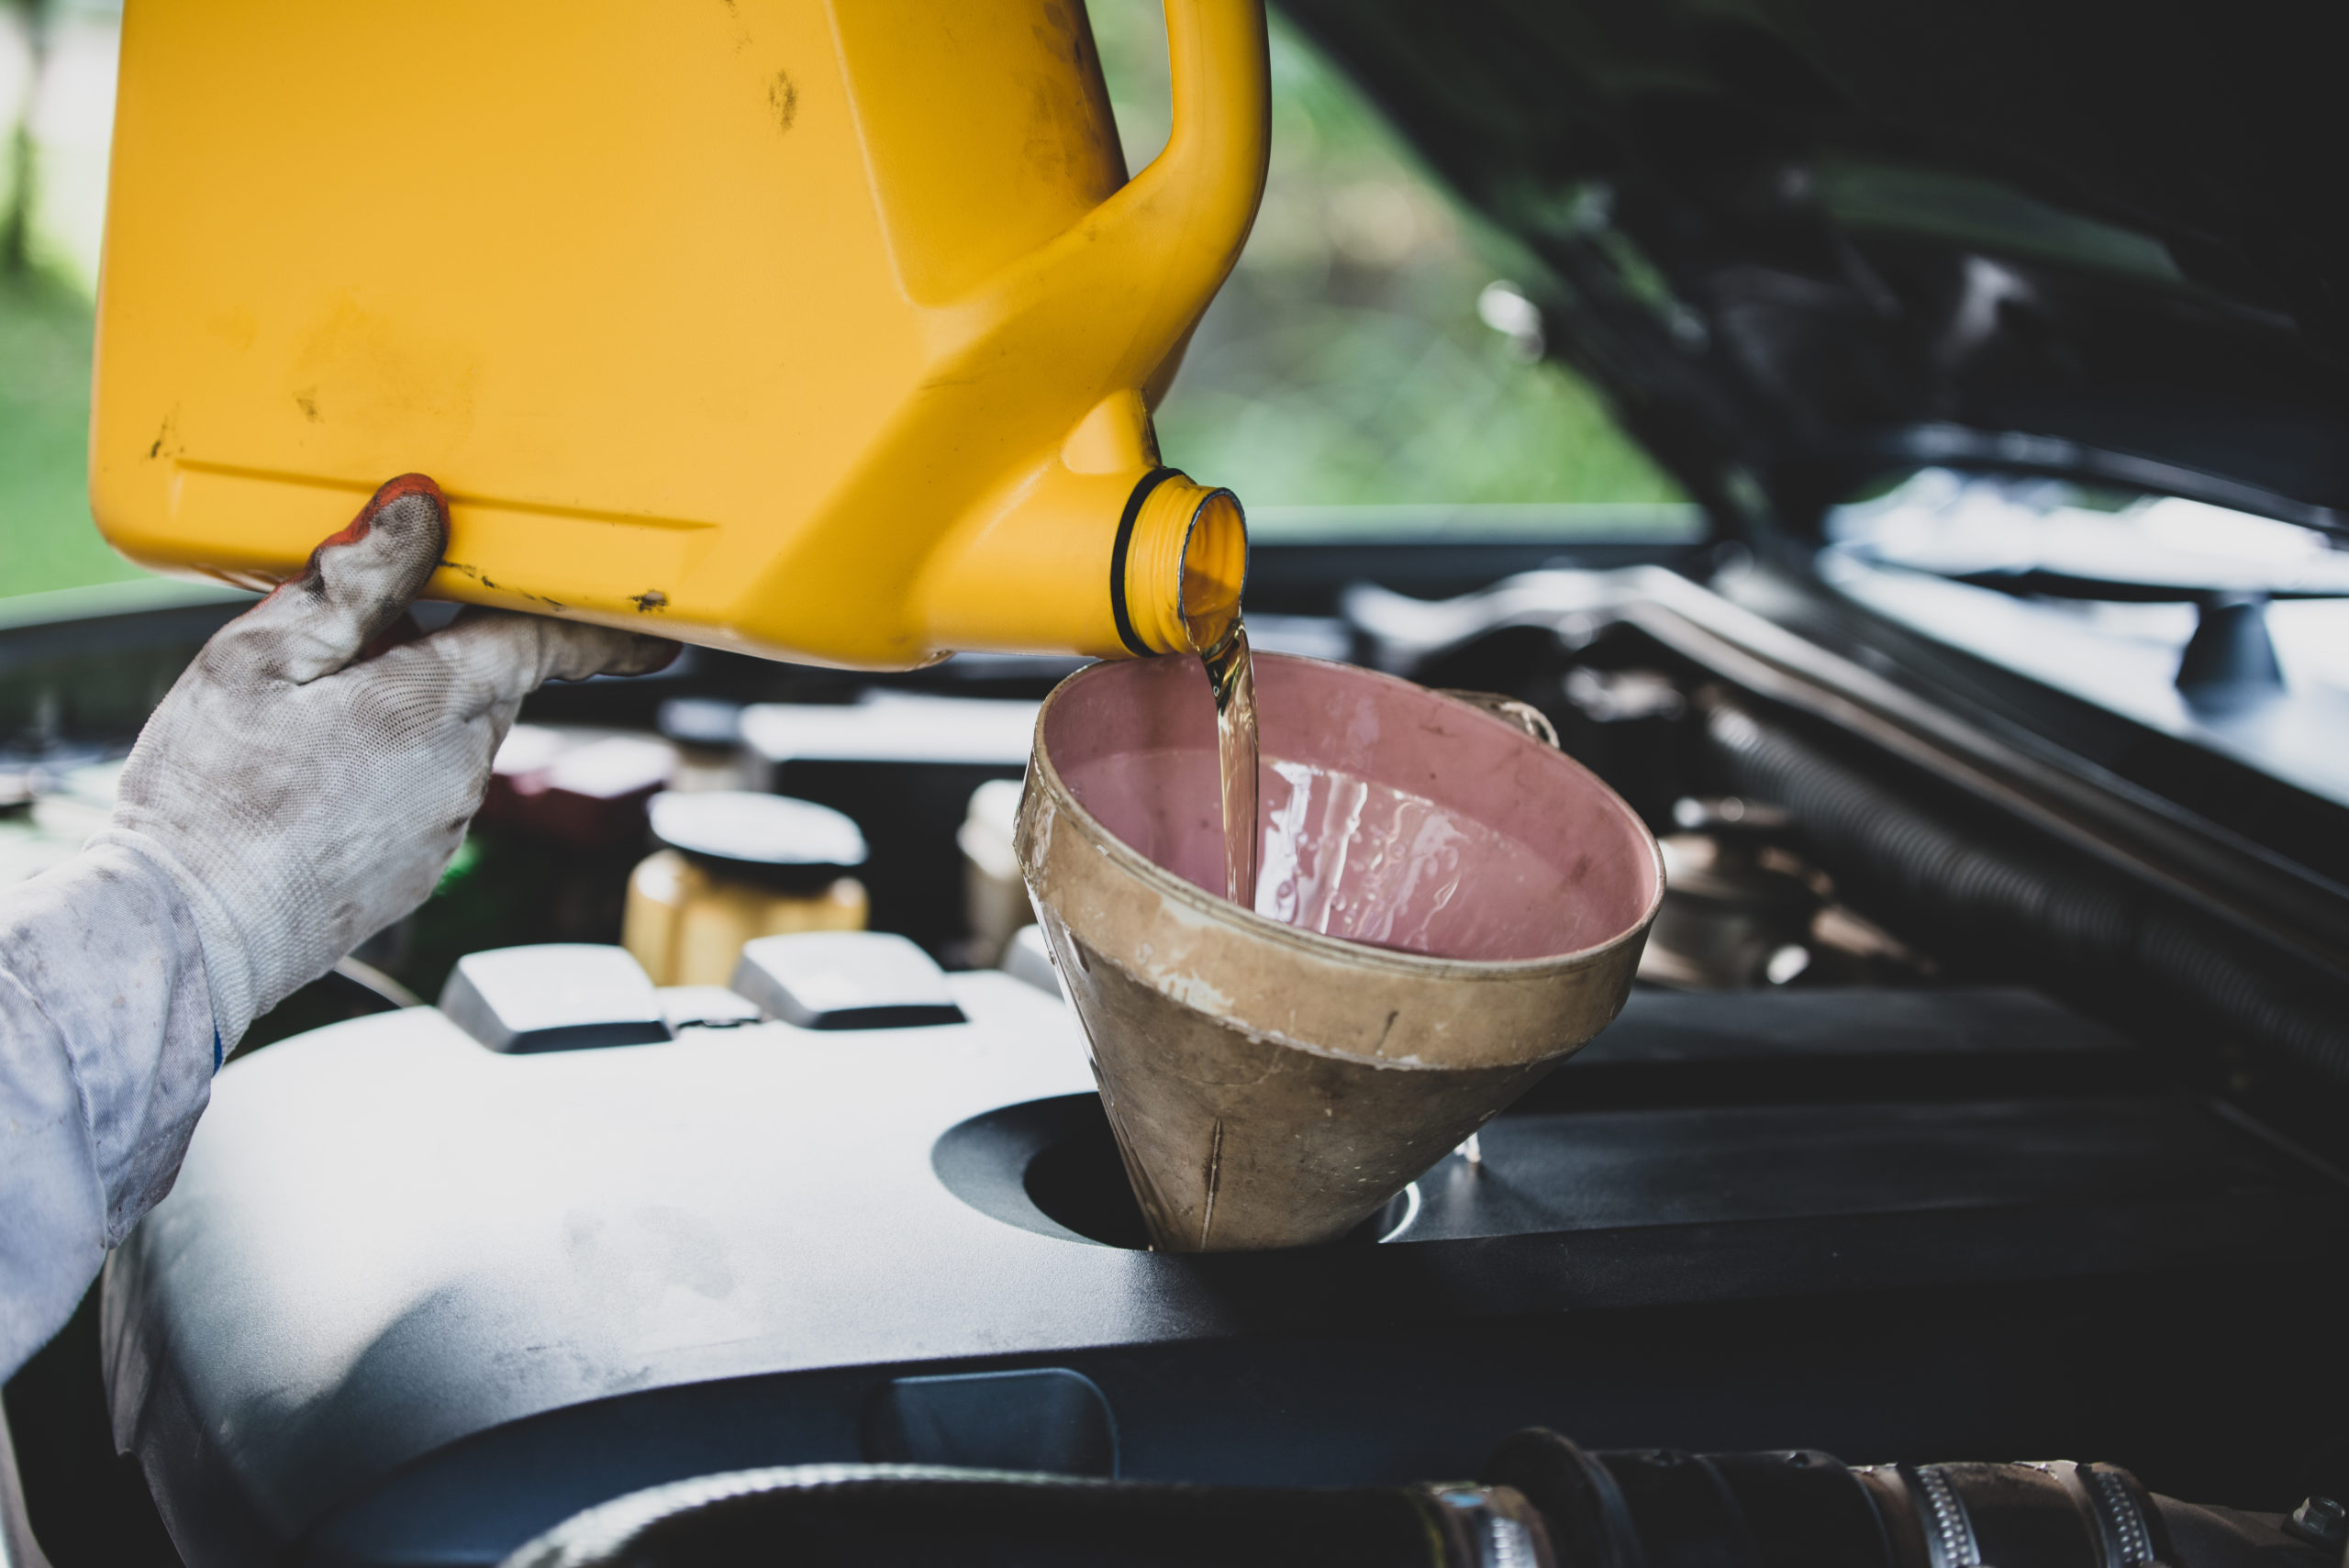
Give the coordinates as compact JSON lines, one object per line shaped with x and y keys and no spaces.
{"x":832,"y":333}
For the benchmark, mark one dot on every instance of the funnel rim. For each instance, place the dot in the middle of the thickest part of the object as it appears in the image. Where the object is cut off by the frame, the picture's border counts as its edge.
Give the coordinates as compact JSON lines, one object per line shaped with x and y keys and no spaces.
{"x":1395,"y":960}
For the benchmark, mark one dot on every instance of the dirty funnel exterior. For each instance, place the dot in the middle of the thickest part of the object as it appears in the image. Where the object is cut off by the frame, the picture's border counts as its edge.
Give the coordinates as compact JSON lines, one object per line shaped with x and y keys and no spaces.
{"x":819,"y":331}
{"x":1273,"y":1085}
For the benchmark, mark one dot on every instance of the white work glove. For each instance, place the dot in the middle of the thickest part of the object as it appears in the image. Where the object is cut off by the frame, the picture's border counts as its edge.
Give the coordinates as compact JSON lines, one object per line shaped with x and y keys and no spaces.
{"x":303,"y":786}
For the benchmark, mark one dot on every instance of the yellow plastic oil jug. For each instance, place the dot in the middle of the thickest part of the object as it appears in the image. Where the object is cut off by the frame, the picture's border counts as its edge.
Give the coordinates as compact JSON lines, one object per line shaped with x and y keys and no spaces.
{"x":821,"y":330}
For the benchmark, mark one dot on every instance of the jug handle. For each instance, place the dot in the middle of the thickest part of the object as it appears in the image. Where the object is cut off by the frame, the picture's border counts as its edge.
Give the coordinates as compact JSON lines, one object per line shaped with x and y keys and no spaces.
{"x":1206,"y":185}
{"x":1173,"y":231}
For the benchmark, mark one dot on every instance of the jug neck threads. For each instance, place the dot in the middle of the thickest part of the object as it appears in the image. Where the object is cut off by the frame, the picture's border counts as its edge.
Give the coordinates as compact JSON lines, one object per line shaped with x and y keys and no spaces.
{"x":1179,"y":564}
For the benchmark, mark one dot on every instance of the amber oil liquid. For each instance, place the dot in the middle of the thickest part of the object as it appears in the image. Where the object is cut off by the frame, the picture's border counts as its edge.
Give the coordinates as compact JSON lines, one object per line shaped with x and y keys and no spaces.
{"x":1231,"y":676}
{"x":1215,"y":569}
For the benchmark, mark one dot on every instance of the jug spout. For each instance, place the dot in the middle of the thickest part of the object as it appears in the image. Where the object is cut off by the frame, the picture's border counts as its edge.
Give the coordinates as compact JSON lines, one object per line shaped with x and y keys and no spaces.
{"x":1114,"y":564}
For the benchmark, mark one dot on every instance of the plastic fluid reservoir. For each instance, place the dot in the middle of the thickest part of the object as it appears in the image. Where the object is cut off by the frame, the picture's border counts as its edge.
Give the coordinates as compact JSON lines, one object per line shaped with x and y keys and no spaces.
{"x":995,"y":899}
{"x":738,"y":865}
{"x":819,"y":331}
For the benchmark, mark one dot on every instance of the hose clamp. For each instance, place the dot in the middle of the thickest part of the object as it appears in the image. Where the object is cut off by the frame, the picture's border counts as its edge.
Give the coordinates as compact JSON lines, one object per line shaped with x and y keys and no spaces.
{"x":1949,"y":1528}
{"x":1499,"y":1524}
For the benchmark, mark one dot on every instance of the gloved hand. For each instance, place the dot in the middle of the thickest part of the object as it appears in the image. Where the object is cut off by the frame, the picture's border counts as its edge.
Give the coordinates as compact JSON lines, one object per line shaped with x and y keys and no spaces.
{"x":306,"y":786}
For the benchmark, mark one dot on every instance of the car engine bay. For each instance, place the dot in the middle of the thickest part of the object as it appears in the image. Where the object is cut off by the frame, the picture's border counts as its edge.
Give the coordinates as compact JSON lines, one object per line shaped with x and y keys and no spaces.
{"x":1962,"y":1101}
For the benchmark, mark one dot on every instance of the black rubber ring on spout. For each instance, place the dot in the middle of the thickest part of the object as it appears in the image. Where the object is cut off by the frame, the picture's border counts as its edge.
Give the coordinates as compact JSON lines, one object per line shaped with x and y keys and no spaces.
{"x":1126,"y":633}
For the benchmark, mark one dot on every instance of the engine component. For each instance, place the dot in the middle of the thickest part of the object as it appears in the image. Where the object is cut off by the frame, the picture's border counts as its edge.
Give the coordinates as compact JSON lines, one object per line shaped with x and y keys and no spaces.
{"x":1891,"y":1215}
{"x":1659,"y":1505}
{"x":555,"y":996}
{"x":2043,"y":913}
{"x":738,"y":865}
{"x":1540,"y":1502}
{"x":1730,"y":917}
{"x":903,"y":766}
{"x":845,"y":980}
{"x":587,"y":791}
{"x":884,"y":1516}
{"x":995,"y":899}
{"x":1742,"y":908}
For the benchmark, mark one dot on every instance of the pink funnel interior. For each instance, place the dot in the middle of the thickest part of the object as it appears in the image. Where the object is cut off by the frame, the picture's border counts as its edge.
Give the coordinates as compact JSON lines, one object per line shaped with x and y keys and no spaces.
{"x":1388,"y":815}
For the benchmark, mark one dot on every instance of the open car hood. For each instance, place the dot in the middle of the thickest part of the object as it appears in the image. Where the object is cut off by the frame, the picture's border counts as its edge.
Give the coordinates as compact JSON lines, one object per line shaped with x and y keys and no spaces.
{"x":1802,"y":243}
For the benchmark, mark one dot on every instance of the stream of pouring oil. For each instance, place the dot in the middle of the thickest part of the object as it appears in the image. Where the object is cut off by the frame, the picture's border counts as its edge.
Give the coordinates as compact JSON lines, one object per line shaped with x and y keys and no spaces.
{"x":1232,"y":676}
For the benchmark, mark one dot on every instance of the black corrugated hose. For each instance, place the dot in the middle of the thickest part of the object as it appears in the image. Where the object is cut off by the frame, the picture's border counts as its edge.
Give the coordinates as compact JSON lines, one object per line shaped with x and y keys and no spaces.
{"x":2045,"y":913}
{"x":1540,"y":1502}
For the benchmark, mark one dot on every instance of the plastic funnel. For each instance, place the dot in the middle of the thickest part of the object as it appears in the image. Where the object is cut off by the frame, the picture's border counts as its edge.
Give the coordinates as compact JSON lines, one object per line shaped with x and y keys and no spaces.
{"x":1274,"y":1077}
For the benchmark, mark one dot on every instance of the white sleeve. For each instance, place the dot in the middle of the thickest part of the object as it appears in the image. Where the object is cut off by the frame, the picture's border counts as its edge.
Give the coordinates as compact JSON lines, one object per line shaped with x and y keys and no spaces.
{"x":107,"y":1054}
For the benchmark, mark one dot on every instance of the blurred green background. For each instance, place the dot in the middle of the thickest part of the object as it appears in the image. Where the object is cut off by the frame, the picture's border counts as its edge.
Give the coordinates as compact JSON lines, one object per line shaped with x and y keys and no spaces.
{"x":56,"y":109}
{"x":1346,"y":363}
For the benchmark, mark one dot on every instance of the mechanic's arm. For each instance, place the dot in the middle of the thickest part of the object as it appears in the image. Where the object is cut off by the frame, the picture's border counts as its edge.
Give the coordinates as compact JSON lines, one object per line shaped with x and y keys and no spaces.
{"x":302,"y":786}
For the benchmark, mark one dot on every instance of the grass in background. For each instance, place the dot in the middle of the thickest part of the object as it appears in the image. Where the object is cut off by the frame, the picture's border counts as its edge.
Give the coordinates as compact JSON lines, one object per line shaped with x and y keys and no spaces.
{"x":47,"y":539}
{"x":1344,"y":361}
{"x":56,"y":107}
